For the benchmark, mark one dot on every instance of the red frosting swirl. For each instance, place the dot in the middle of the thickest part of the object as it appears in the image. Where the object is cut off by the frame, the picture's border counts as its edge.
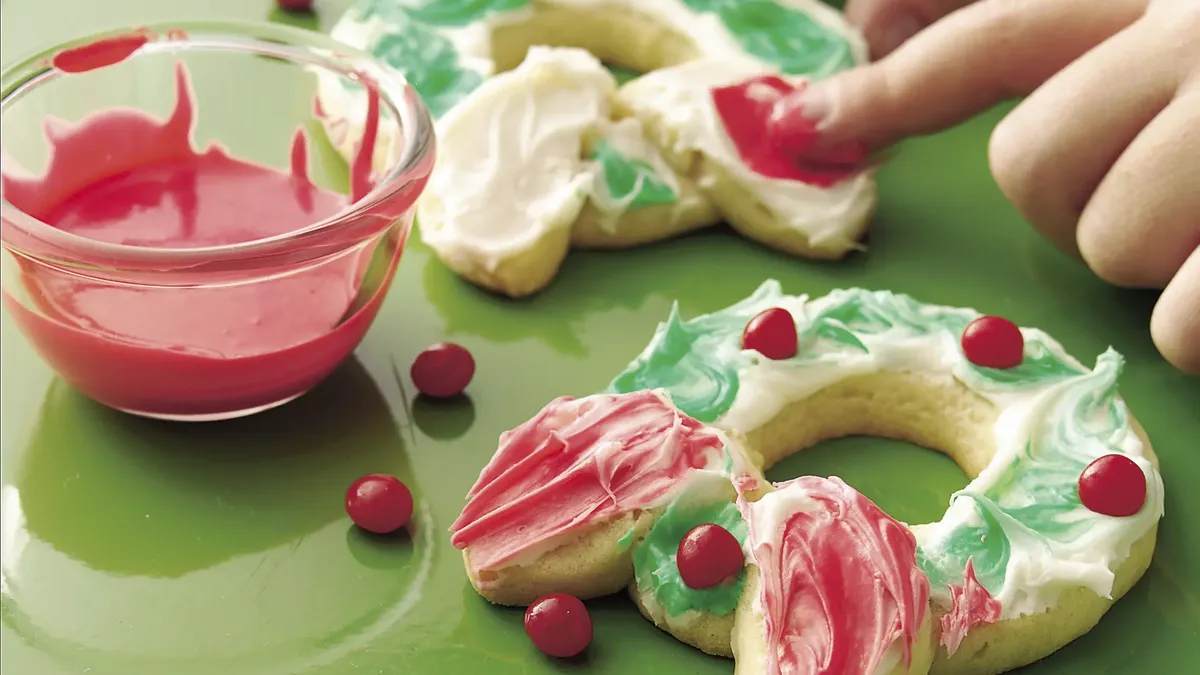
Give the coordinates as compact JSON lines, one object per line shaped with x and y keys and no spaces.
{"x":839,"y":579}
{"x":576,"y":463}
{"x":971,"y":606}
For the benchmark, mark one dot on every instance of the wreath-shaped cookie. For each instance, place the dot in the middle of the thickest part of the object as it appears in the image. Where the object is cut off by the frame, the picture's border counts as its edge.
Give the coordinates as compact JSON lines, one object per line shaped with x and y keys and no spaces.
{"x":540,"y":148}
{"x":657,"y":486}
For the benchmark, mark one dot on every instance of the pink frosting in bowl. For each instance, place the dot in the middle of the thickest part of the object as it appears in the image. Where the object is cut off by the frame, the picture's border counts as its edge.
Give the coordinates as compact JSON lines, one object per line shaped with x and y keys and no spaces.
{"x":180,"y":282}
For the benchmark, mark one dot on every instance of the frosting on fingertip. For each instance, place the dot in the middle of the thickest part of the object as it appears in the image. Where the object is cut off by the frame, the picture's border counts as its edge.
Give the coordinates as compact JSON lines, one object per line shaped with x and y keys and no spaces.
{"x":681,"y":99}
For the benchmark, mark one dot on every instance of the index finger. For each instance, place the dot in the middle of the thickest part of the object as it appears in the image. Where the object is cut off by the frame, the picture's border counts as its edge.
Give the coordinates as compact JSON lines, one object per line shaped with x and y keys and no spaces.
{"x":961,"y":65}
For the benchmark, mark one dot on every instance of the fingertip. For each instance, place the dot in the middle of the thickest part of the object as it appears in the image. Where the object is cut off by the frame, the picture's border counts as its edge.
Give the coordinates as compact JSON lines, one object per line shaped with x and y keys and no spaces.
{"x":1177,"y":348}
{"x":803,"y":124}
{"x":849,"y":107}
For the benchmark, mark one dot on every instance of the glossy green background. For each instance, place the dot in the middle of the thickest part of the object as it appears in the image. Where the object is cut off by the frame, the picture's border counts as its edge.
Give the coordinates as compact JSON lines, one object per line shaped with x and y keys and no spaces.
{"x":133,"y":547}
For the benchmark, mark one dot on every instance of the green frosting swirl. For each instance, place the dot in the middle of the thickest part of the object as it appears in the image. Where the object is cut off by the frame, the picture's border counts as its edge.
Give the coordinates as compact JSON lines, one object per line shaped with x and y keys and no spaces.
{"x":411,"y":44}
{"x":460,"y":12}
{"x":654,"y":560}
{"x":1036,"y":498}
{"x":631,"y":181}
{"x":701,"y":387}
{"x":698,"y":360}
{"x":784,"y":36}
{"x":438,"y":12}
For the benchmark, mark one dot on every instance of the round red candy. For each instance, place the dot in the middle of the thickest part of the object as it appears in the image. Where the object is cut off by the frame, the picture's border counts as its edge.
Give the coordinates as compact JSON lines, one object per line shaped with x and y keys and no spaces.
{"x":443,"y":370}
{"x":379,"y":503}
{"x":1113,"y":485}
{"x":559,"y":625}
{"x":993,"y":342}
{"x":708,"y":556}
{"x":295,"y":5}
{"x":772,"y":333}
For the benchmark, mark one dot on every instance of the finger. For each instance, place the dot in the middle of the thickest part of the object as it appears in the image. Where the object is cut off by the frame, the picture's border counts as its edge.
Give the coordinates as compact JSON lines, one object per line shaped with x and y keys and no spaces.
{"x":1144,"y":220}
{"x":1175,"y":323}
{"x":1050,"y":154}
{"x":886,"y":24}
{"x":966,"y":62}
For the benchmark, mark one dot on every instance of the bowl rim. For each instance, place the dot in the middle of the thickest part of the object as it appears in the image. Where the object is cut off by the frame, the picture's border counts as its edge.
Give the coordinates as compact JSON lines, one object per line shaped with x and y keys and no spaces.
{"x":43,"y":243}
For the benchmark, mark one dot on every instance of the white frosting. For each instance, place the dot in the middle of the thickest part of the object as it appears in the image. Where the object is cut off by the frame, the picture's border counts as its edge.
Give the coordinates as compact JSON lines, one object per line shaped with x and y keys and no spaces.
{"x":510,"y":164}
{"x":681,"y":98}
{"x":627,"y":138}
{"x":1038,"y":569}
{"x":707,"y":31}
{"x":824,"y":216}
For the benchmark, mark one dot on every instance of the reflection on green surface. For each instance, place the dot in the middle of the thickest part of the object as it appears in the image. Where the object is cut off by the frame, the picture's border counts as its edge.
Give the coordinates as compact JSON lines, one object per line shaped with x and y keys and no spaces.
{"x":131,"y":496}
{"x":594,"y":282}
{"x":912,"y":484}
{"x":443,"y":419}
{"x":135,"y":546}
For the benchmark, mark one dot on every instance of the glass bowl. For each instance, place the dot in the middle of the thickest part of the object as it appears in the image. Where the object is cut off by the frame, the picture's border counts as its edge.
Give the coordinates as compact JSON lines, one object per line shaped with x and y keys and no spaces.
{"x":178,"y":241}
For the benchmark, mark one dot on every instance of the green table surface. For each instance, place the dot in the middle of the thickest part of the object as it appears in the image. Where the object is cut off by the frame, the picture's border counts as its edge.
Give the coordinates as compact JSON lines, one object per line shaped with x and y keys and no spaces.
{"x":134,"y":547}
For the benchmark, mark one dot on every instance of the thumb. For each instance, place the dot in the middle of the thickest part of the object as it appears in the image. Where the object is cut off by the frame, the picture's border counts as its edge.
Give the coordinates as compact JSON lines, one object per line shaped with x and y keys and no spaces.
{"x":961,"y":65}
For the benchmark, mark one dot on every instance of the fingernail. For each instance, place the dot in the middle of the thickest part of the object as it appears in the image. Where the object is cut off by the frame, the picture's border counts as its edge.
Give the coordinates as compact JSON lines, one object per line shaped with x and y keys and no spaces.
{"x":895,"y":32}
{"x":796,"y":119}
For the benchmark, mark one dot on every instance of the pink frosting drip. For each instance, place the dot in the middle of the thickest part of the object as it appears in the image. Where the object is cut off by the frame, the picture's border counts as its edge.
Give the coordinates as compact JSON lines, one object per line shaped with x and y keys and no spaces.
{"x":839,"y":579}
{"x":576,"y":463}
{"x":971,"y":606}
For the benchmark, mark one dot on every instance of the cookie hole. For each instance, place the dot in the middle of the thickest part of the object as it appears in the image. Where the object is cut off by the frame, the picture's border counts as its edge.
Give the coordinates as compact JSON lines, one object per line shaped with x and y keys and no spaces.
{"x":911,"y":483}
{"x":905,"y":441}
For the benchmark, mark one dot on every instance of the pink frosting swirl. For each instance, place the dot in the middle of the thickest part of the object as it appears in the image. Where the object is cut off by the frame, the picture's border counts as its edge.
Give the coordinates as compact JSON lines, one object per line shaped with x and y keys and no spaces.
{"x":839,"y":582}
{"x":576,"y":463}
{"x":971,"y":606}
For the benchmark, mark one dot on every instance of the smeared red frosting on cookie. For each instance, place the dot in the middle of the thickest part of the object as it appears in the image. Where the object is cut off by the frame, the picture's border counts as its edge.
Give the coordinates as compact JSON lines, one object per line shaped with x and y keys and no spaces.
{"x":839,"y":579}
{"x":576,"y":463}
{"x":746,"y":109}
{"x":972,"y":605}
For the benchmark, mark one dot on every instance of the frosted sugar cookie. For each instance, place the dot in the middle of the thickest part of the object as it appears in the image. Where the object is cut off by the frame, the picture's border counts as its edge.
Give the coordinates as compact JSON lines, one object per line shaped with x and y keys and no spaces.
{"x":522,"y":174}
{"x":1057,"y":523}
{"x":594,"y":494}
{"x":1019,"y":565}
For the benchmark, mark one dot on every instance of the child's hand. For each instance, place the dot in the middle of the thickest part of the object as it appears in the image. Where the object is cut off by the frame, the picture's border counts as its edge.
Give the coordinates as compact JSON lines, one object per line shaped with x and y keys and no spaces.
{"x":1103,"y":157}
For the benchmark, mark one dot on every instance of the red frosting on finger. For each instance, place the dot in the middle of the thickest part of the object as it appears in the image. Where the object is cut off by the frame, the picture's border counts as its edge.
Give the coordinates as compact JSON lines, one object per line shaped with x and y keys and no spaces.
{"x":579,"y":462}
{"x":839,"y":579}
{"x":746,"y":110}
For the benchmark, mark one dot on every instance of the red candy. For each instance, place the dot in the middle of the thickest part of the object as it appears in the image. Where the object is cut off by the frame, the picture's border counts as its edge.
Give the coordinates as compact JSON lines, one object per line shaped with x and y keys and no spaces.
{"x":295,"y":5}
{"x":708,"y":556}
{"x":379,"y":503}
{"x":772,"y":333}
{"x":1113,"y":485}
{"x":993,"y":342}
{"x":559,"y":625}
{"x":443,"y":370}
